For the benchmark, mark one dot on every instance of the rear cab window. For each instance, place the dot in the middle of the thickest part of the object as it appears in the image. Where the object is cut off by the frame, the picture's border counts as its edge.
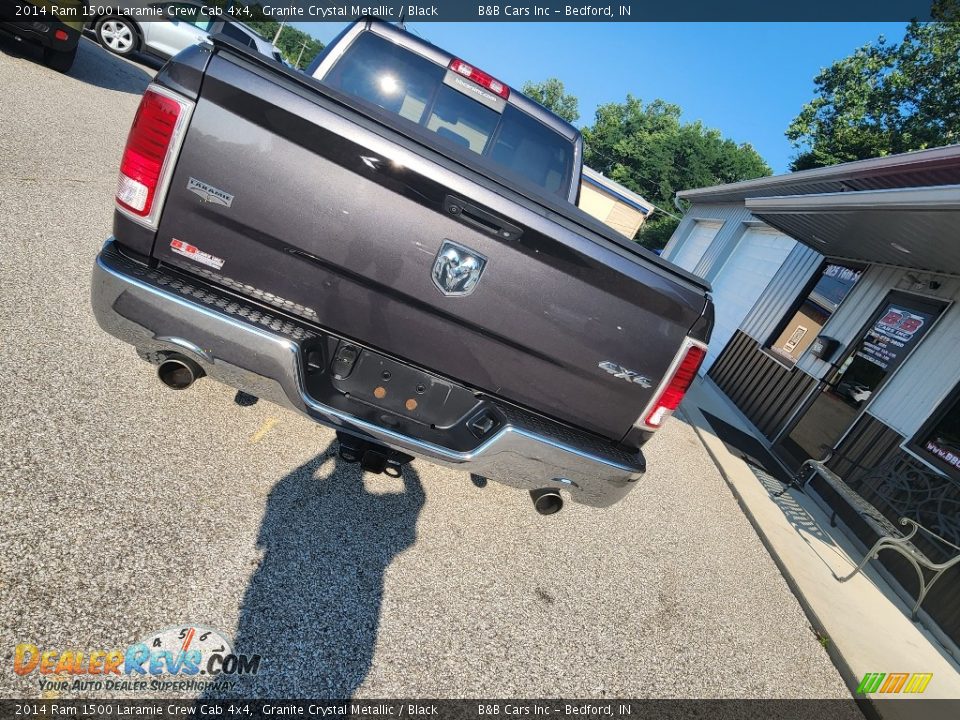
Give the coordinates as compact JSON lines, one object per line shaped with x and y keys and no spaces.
{"x":236,"y":33}
{"x":459,"y":112}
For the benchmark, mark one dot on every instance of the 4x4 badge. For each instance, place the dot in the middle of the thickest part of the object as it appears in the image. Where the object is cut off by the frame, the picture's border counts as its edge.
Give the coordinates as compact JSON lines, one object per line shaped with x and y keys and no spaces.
{"x":628,"y":375}
{"x":209,"y":193}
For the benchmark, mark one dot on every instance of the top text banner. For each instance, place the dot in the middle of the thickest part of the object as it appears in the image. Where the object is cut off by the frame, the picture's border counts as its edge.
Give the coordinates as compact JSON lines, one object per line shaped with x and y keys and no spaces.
{"x":628,"y":11}
{"x":535,"y":11}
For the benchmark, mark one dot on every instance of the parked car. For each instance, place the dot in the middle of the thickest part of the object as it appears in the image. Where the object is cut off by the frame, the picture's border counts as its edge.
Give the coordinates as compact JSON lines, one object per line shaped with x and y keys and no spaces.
{"x":172,"y":27}
{"x":855,"y":392}
{"x":389,"y":244}
{"x":56,"y":27}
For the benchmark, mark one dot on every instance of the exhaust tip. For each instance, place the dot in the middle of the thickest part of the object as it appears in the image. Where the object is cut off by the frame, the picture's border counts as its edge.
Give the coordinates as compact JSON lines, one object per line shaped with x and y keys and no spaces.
{"x":178,"y":372}
{"x":546,"y":501}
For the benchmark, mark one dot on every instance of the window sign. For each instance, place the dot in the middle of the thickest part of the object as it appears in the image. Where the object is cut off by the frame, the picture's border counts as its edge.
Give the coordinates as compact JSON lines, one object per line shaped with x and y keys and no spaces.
{"x":844,"y":276}
{"x":791,"y":344}
{"x":811,"y":314}
{"x":947,"y":449}
{"x":939,"y":439}
{"x":892,"y":336}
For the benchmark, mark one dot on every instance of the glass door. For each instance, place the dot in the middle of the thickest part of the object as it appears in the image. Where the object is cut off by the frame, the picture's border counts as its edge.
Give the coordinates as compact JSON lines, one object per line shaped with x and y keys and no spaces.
{"x":897,"y":327}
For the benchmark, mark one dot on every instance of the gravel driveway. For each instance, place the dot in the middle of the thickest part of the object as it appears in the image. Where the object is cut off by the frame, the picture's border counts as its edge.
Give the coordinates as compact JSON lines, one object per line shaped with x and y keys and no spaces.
{"x":129,"y":508}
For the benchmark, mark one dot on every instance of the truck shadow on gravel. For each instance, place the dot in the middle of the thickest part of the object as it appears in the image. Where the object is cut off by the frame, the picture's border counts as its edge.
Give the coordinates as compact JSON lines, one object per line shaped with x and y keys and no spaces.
{"x":93,"y":65}
{"x":96,"y":66}
{"x":312,"y":608}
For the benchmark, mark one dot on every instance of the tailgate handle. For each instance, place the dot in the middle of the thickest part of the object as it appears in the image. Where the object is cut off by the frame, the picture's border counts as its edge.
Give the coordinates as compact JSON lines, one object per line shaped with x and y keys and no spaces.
{"x":480,"y":218}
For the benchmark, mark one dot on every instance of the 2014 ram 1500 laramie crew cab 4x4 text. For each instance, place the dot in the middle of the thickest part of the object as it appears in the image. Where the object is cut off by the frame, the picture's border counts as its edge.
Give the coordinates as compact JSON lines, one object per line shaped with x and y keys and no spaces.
{"x":389,"y":244}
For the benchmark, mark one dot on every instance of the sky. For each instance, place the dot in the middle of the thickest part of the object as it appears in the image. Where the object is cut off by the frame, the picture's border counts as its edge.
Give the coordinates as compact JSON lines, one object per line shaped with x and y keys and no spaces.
{"x":748,"y":80}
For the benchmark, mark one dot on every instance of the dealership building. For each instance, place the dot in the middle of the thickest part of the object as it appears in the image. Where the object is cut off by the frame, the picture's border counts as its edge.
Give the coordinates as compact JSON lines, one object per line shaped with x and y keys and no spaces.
{"x":838,"y":329}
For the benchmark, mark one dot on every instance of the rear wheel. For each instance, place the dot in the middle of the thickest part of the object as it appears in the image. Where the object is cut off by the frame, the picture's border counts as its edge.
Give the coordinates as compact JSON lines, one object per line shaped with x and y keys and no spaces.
{"x":59,"y":60}
{"x":118,"y":35}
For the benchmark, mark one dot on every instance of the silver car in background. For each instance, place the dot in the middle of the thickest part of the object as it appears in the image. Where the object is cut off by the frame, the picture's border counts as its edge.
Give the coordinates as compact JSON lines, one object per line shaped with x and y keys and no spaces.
{"x":182,"y":24}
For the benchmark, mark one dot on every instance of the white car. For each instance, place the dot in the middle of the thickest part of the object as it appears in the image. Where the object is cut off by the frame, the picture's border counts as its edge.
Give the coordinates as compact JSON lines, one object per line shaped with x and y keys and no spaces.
{"x":185,"y":24}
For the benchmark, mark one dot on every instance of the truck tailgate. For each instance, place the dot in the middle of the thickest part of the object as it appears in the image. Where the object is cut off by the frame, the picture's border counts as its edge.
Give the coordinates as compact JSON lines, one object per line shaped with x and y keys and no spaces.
{"x":299,"y":202}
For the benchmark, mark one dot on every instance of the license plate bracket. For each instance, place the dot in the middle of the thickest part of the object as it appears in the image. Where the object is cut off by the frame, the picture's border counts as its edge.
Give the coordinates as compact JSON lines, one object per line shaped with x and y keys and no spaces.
{"x":387,"y":384}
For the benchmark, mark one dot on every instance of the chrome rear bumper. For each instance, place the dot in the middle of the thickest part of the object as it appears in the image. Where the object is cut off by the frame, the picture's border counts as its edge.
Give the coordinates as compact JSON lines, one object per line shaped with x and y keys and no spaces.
{"x":258,"y":351}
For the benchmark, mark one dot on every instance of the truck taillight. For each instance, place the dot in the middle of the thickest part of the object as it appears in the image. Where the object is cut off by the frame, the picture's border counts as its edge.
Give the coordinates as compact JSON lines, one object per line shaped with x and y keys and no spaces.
{"x":152,"y":145}
{"x":670,"y":396}
{"x":480,"y":78}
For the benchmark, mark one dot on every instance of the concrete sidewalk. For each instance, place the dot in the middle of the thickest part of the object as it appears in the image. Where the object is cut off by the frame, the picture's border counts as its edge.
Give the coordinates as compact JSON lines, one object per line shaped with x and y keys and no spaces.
{"x":864,"y":625}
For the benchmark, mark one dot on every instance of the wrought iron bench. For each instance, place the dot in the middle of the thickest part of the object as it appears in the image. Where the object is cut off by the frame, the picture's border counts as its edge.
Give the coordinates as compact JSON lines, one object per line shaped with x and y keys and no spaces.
{"x":903,"y":487}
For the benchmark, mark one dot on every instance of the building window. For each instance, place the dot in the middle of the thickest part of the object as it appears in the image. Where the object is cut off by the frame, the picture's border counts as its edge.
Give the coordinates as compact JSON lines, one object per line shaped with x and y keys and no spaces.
{"x":815,"y":306}
{"x":938,"y":441}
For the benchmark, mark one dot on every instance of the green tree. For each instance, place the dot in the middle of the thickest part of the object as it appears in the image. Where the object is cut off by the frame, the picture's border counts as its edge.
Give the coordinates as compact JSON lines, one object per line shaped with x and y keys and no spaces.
{"x":885,"y":98}
{"x":649,"y":150}
{"x":550,"y":93}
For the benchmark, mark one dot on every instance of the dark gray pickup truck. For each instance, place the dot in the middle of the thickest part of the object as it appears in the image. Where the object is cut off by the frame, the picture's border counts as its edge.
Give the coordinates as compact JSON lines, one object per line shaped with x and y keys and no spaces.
{"x":389,"y":244}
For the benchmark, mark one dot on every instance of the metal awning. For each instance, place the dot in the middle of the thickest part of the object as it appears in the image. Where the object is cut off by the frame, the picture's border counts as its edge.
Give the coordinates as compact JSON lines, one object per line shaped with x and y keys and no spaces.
{"x":916,"y":227}
{"x":920,"y":168}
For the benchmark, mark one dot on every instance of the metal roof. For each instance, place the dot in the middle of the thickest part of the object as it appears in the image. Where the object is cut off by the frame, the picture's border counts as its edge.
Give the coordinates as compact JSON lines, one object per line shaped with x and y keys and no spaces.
{"x":922,"y":168}
{"x":917,"y":227}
